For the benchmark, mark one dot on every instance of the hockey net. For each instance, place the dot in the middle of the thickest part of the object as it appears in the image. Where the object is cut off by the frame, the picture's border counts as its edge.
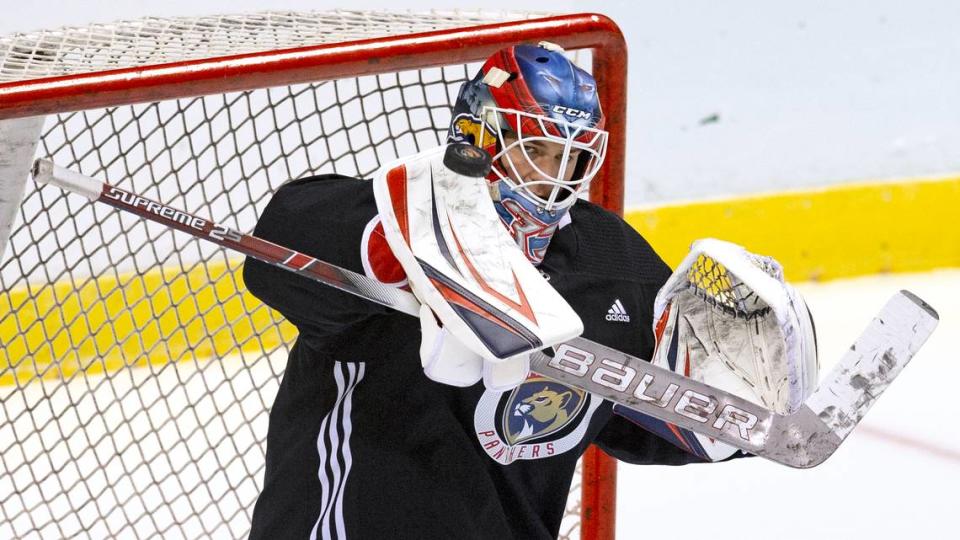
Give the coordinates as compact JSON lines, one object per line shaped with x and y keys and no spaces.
{"x":136,"y":374}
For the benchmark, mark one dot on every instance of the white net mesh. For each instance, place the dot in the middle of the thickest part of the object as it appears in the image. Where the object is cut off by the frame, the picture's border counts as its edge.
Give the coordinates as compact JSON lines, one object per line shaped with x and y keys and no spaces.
{"x":136,"y":372}
{"x":148,"y":41}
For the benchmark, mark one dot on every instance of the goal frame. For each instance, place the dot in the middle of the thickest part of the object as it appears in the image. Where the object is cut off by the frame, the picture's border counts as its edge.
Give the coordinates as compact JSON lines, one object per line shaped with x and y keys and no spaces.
{"x":250,"y":71}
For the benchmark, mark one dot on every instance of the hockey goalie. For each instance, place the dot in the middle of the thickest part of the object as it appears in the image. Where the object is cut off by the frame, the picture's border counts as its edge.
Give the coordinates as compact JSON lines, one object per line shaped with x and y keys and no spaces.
{"x":390,"y":426}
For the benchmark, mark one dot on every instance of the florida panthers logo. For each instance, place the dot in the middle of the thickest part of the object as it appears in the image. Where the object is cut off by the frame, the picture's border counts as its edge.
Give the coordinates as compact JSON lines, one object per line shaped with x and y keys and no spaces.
{"x":538,"y":419}
{"x":542,"y":413}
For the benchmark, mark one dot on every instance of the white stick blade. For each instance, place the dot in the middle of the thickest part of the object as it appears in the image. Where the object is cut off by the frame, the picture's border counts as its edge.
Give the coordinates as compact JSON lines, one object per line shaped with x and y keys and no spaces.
{"x":872,"y":363}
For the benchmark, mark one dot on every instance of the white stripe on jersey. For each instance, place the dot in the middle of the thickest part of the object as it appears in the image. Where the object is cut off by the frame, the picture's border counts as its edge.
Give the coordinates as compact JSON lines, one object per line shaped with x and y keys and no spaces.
{"x":332,"y":452}
{"x":347,"y":455}
{"x":322,"y":449}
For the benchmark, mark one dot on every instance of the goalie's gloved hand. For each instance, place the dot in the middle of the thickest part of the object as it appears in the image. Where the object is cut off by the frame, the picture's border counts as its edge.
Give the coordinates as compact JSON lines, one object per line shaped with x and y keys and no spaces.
{"x":506,"y":374}
{"x":727,"y":318}
{"x":446,"y":360}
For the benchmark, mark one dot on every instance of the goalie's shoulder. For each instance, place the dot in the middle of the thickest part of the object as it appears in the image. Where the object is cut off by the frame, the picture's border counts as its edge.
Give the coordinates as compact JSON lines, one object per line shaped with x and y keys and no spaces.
{"x":608,"y":245}
{"x":316,"y":201}
{"x":321,"y":189}
{"x":317,"y":214}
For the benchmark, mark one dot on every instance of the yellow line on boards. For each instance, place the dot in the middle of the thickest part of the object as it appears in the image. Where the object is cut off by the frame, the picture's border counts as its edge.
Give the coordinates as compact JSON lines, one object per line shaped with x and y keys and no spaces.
{"x":57,"y":330}
{"x":822,"y":234}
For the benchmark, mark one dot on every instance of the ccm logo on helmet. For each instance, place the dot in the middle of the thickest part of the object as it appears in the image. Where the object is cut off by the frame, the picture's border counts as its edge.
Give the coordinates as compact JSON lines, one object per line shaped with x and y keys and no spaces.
{"x":570,"y":111}
{"x":640,"y":385}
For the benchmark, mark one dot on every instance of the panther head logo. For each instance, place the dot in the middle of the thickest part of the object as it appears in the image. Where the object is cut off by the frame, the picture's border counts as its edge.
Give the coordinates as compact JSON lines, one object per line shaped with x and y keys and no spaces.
{"x":536,"y":420}
{"x":542,"y":412}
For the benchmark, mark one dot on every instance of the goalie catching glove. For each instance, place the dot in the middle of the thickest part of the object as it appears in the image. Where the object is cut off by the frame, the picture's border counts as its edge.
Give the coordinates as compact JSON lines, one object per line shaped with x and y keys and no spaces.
{"x":728,"y":319}
{"x":485,"y":306}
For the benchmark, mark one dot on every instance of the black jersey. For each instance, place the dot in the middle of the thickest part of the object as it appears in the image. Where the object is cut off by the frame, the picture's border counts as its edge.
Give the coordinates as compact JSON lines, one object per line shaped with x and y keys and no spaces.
{"x":362,"y":445}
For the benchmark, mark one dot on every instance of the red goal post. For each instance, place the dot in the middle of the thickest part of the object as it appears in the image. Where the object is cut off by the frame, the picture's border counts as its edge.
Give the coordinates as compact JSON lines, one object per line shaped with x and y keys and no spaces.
{"x":453,"y":41}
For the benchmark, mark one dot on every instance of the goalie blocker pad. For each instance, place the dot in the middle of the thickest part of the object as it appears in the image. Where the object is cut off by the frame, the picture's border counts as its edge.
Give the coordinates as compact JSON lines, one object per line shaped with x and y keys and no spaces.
{"x":726,"y":318}
{"x":460,"y":260}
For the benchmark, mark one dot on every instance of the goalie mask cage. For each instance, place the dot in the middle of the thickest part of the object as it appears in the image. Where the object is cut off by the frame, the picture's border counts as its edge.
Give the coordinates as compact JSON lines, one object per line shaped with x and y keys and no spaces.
{"x":136,"y":374}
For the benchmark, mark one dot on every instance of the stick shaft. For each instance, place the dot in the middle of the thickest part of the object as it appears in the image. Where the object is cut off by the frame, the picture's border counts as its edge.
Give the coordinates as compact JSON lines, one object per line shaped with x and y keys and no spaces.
{"x":252,"y":246}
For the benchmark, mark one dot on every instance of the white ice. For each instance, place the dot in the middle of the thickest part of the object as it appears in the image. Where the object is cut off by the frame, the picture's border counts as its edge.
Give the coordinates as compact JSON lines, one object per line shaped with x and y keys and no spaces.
{"x":895,"y":477}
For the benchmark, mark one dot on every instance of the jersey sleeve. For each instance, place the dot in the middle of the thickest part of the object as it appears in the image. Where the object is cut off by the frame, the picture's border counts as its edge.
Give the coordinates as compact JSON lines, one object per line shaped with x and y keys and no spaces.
{"x":324,"y":217}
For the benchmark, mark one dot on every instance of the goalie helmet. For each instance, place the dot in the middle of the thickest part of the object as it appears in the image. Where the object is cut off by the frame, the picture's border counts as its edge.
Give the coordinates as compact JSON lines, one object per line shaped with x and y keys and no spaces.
{"x":539,"y":116}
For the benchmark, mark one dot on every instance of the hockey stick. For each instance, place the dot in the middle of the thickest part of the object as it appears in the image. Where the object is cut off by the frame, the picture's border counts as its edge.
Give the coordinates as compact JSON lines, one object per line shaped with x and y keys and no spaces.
{"x":802,"y":439}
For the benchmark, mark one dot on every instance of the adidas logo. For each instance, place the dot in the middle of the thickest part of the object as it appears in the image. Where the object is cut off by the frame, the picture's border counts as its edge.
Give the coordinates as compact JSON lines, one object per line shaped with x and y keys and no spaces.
{"x":617,"y":313}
